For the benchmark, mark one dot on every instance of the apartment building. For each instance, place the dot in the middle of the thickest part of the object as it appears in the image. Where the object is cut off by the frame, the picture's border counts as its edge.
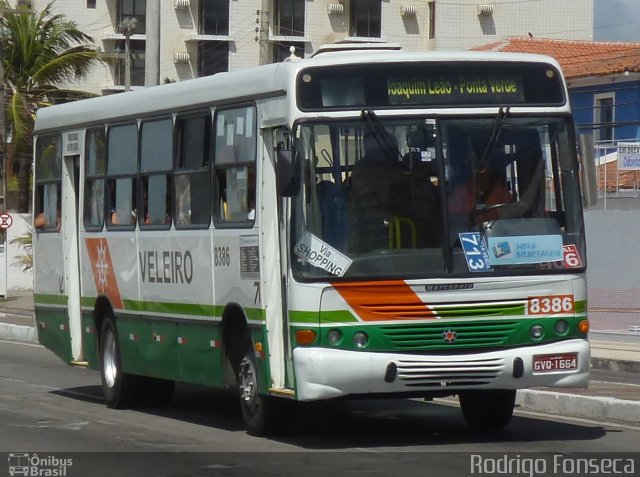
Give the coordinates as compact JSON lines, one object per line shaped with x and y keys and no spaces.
{"x":176,"y":40}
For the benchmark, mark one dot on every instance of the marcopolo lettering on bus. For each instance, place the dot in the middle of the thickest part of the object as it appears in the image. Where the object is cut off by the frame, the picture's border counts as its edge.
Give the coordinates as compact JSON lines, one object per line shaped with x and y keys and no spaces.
{"x":322,"y":255}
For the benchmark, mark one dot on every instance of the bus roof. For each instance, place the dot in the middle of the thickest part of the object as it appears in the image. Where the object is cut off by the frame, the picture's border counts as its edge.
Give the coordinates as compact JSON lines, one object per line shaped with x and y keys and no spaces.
{"x":265,"y":81}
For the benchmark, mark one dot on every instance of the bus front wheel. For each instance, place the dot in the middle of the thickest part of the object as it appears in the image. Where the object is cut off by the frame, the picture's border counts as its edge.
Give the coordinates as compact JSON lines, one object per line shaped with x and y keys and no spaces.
{"x":120,"y":389}
{"x":262,"y":415}
{"x":487,"y":410}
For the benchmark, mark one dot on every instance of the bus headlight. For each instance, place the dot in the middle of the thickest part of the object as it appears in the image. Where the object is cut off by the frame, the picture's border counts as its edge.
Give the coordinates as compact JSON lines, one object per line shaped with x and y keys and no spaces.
{"x":561,"y":327}
{"x":536,"y":332}
{"x":360,"y":339}
{"x":334,"y":337}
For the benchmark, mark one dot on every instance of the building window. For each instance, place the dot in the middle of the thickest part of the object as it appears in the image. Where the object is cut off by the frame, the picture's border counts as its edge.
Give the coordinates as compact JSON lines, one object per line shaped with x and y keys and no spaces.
{"x":281,"y":51}
{"x":289,"y":18}
{"x":604,"y":117}
{"x":91,"y":3}
{"x":213,"y":57}
{"x":432,"y":20}
{"x":235,"y":166}
{"x":137,"y":48}
{"x":214,"y":17}
{"x":366,"y":18}
{"x":133,"y":9}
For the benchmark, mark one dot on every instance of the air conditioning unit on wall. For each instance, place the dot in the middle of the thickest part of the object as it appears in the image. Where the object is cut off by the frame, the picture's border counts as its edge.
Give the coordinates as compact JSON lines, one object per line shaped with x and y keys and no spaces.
{"x":485,"y":10}
{"x":181,"y":57}
{"x":335,"y":9}
{"x":408,"y":10}
{"x":182,"y":4}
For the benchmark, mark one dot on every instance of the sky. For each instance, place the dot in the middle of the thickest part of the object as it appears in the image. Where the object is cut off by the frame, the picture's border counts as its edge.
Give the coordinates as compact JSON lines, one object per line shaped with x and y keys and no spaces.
{"x":616,"y":20}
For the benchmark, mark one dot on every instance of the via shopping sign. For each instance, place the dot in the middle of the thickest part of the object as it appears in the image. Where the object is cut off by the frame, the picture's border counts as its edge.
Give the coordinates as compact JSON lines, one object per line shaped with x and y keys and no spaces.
{"x":629,"y":156}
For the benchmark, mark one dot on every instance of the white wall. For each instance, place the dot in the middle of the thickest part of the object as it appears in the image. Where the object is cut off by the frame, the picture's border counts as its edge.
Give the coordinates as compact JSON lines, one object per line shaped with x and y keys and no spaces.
{"x":16,"y":278}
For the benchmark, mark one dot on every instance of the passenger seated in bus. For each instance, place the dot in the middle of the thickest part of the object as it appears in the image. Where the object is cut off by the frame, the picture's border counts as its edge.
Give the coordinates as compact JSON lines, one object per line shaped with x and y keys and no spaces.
{"x":390,"y":207}
{"x":41,"y":221}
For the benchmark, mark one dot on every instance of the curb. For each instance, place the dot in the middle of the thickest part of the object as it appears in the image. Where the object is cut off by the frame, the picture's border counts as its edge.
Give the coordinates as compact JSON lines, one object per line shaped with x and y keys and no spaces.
{"x":615,"y":365}
{"x":588,"y":406}
{"x":21,"y":334}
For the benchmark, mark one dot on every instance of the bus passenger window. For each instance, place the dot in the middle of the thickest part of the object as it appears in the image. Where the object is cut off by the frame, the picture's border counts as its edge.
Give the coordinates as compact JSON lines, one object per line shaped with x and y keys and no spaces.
{"x":95,"y":162}
{"x":121,"y":175}
{"x":156,"y":162}
{"x":48,"y":183}
{"x":235,"y":159}
{"x":192,"y":181}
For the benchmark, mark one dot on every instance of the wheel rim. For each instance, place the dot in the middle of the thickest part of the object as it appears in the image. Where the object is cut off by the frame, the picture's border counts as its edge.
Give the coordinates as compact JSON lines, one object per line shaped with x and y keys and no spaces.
{"x":109,"y":367}
{"x":248,"y":387}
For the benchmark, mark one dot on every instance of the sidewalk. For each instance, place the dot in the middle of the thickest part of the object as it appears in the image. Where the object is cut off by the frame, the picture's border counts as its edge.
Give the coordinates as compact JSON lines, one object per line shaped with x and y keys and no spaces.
{"x":603,"y":400}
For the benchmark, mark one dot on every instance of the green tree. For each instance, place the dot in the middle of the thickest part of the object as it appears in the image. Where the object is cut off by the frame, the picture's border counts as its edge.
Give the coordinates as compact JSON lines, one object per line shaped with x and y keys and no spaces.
{"x":43,"y":51}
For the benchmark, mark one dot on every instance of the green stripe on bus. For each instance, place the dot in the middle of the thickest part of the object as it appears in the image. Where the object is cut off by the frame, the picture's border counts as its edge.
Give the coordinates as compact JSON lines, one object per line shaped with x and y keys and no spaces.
{"x":185,"y":309}
{"x":43,"y":299}
{"x":339,"y":316}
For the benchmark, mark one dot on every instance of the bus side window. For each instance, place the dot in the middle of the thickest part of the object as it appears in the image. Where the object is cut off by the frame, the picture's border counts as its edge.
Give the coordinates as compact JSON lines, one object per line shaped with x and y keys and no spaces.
{"x":235,"y":165}
{"x":156,"y":161}
{"x":95,"y":164}
{"x":122,"y":166}
{"x":48,"y":183}
{"x":192,"y":180}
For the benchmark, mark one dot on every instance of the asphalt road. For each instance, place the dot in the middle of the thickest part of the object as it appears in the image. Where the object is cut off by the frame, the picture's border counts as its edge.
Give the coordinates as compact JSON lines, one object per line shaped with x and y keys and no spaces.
{"x":49,"y":408}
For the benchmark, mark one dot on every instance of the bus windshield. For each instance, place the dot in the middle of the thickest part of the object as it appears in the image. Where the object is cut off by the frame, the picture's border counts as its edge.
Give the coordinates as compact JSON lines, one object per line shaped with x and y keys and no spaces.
{"x":424,"y":197}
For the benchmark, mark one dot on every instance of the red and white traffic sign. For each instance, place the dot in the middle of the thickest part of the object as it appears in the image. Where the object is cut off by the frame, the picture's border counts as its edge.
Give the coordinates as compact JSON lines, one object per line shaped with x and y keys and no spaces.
{"x":5,"y":221}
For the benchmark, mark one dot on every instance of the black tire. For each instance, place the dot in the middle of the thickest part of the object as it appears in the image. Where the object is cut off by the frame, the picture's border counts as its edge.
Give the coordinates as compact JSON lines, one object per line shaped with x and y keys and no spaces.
{"x":262,"y":415}
{"x":487,"y":410}
{"x":121,"y":390}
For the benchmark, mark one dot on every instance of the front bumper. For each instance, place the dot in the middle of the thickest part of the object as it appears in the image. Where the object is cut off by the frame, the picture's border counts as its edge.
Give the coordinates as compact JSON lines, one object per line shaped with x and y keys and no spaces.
{"x":323,"y":373}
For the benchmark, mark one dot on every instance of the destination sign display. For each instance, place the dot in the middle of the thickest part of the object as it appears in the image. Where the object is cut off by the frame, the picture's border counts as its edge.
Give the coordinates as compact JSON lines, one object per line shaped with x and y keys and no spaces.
{"x":455,"y":89}
{"x":429,"y":84}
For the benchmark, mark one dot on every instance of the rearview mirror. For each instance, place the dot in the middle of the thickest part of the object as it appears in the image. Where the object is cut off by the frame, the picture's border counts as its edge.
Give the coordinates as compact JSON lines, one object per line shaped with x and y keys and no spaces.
{"x":287,"y":173}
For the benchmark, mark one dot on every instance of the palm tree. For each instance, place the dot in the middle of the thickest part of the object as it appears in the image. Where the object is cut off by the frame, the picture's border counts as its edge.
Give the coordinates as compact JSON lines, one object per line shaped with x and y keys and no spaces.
{"x":43,"y":51}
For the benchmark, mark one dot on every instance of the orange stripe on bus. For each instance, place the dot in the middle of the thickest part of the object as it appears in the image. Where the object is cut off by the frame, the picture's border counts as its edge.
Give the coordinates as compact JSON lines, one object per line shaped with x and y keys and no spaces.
{"x":384,"y":300}
{"x":104,"y":275}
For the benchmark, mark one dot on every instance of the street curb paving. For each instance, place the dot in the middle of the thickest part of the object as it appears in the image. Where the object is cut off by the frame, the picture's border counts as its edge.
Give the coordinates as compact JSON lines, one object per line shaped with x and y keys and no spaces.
{"x":575,"y":405}
{"x":615,"y":365}
{"x":21,"y":334}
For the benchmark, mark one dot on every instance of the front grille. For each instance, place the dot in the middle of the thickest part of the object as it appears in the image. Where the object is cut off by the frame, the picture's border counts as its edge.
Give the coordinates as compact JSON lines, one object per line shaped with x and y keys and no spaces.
{"x":428,"y":373}
{"x":425,"y":336}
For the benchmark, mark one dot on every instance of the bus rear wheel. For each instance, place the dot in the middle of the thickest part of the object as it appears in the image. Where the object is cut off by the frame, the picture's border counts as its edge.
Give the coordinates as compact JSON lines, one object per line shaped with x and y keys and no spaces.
{"x":120,"y":389}
{"x":487,"y":410}
{"x":262,"y":415}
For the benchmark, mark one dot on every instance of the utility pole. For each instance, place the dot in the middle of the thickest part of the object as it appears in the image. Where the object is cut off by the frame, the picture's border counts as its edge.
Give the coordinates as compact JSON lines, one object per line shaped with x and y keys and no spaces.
{"x":127,"y":27}
{"x":152,"y":45}
{"x":262,"y":32}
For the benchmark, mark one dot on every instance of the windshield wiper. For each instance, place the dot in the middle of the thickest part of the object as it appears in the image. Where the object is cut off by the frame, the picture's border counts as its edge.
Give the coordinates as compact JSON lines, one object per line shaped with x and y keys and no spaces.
{"x":386,"y":143}
{"x":495,"y":134}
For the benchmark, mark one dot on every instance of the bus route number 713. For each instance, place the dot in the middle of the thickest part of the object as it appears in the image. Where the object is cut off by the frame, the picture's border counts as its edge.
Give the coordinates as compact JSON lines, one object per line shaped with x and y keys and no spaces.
{"x":475,"y":251}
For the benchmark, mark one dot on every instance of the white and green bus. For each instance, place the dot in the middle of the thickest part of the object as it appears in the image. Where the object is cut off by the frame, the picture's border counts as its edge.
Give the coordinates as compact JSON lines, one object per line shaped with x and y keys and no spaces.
{"x":361,"y":223}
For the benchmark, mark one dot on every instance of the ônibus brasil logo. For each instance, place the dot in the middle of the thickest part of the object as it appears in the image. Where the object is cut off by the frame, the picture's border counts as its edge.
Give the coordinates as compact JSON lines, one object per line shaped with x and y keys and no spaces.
{"x":23,"y":463}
